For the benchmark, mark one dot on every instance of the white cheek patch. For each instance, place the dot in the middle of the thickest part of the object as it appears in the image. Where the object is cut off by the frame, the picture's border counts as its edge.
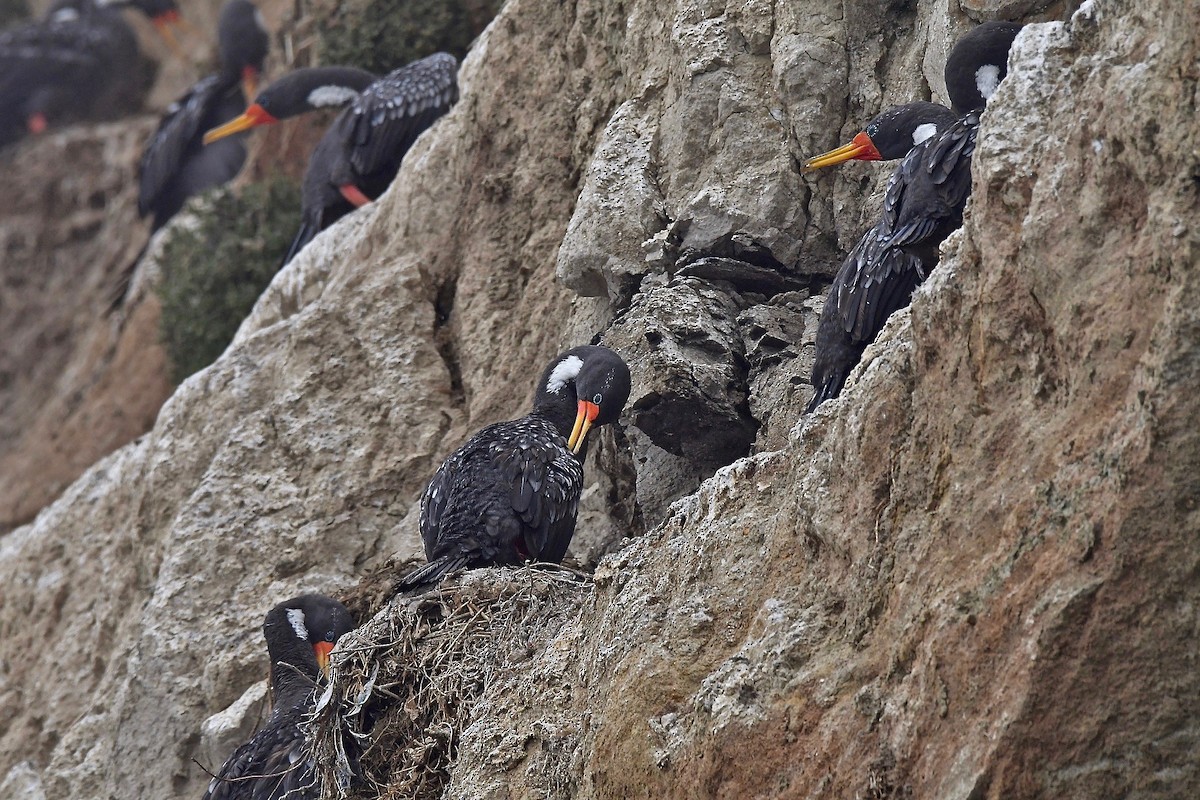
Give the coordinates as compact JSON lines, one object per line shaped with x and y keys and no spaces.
{"x":259,"y":21}
{"x":296,"y":617}
{"x":324,"y":96}
{"x":923,"y":132}
{"x":987,"y":78}
{"x":564,"y":371}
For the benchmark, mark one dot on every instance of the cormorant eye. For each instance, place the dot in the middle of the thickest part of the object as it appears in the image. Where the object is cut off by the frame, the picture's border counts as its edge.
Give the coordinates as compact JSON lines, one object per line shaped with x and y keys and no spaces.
{"x":598,"y":399}
{"x":872,"y":129}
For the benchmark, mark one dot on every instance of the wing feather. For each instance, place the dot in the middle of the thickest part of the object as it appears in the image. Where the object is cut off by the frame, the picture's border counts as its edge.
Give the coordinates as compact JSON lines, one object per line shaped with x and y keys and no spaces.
{"x":176,"y":132}
{"x":392,"y":112}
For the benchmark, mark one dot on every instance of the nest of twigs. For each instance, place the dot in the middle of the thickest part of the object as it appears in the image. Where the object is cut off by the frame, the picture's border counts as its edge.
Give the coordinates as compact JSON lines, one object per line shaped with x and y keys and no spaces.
{"x":403,"y":686}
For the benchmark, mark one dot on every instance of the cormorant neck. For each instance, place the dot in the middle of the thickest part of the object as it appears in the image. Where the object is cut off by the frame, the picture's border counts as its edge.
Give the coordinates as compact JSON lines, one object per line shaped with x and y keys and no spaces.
{"x":293,"y":667}
{"x":558,"y":408}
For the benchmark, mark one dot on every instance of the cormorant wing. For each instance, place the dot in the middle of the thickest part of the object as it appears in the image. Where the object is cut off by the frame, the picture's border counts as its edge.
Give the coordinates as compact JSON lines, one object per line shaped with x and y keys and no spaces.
{"x":544,"y":482}
{"x":391,"y":113}
{"x":177,"y":131}
{"x":874,"y":281}
{"x":275,"y":763}
{"x":927,"y":192}
{"x":39,"y":53}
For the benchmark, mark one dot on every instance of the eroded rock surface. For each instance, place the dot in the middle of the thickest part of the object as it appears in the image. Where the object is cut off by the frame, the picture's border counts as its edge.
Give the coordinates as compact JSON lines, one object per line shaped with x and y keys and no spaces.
{"x":78,"y":376}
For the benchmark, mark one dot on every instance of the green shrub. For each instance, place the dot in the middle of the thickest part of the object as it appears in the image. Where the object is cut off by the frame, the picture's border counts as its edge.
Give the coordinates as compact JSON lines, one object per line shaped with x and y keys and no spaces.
{"x":212,"y":274}
{"x":382,"y":35}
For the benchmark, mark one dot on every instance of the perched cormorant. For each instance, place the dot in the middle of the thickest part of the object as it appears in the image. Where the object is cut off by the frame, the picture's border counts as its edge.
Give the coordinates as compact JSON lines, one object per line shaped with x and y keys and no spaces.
{"x":360,"y":154}
{"x":977,"y":64}
{"x":923,"y":204}
{"x":175,"y":163}
{"x":276,"y":763}
{"x":80,"y":60}
{"x":511,"y":493}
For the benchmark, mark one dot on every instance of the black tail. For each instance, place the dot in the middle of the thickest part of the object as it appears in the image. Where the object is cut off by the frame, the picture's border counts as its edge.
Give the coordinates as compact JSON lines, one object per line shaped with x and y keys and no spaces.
{"x":303,"y":236}
{"x":829,"y":387}
{"x":434,"y":571}
{"x":116,"y":297}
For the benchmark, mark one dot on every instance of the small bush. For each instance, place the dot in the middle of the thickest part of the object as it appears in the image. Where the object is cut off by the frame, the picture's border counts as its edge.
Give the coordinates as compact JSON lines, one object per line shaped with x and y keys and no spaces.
{"x":383,"y":35}
{"x":214,"y":272}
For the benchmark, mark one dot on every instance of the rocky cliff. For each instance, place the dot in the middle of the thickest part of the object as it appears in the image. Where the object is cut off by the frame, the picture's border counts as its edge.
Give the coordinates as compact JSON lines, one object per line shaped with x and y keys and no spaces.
{"x":974,"y":575}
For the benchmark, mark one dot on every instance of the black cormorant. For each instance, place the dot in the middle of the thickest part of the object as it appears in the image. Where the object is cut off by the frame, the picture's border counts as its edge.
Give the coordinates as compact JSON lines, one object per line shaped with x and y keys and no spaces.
{"x":360,"y":154}
{"x":511,"y":493}
{"x":175,"y":163}
{"x":276,"y":763}
{"x":79,"y":61}
{"x":923,"y":203}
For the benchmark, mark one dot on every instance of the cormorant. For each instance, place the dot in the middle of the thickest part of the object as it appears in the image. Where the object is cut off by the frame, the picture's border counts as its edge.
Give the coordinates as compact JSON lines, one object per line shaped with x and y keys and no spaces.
{"x":511,"y":493}
{"x":360,"y":154}
{"x":923,"y":203}
{"x":81,"y":60}
{"x":977,"y":64}
{"x":276,"y":763}
{"x":175,"y":163}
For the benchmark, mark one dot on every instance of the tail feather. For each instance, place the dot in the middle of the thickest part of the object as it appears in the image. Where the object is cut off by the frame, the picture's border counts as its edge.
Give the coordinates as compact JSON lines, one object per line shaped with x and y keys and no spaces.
{"x":303,"y":236}
{"x":829,"y":388}
{"x":117,"y":295}
{"x":434,"y":571}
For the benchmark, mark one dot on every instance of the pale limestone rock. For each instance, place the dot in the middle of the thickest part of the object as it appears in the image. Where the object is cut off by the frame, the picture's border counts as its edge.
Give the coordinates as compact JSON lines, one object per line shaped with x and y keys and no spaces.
{"x":225,"y":731}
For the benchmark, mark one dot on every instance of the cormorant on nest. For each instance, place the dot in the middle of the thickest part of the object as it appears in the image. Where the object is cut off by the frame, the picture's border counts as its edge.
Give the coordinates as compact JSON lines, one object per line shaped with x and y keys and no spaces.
{"x":276,"y":764}
{"x":511,"y":493}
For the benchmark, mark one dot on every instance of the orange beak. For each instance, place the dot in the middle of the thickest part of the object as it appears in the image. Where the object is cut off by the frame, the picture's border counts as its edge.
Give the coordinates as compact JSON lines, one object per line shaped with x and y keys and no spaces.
{"x":163,"y":23}
{"x":322,"y":651}
{"x":587,"y":414}
{"x":861,"y":147}
{"x":255,"y":115}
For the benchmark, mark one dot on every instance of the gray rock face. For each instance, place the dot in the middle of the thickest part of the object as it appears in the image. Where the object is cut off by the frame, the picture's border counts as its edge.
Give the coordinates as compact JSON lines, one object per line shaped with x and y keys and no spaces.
{"x":938,"y":585}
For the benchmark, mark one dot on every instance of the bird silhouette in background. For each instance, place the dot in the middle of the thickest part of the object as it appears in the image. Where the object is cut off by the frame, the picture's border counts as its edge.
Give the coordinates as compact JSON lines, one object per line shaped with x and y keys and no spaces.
{"x":361,"y":152}
{"x":79,"y":61}
{"x":175,"y":163}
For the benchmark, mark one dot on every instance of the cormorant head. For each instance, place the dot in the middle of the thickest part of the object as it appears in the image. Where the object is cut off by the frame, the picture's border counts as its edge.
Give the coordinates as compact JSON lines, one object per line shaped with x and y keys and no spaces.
{"x":300,"y":91}
{"x":163,"y":13}
{"x":977,"y":64}
{"x":594,"y":379}
{"x":890,"y":135}
{"x":301,"y":633}
{"x":243,"y":41}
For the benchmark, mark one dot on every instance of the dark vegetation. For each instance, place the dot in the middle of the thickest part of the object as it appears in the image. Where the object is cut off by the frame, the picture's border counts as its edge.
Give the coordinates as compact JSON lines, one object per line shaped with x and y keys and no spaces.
{"x":382,"y":35}
{"x":213,"y":274}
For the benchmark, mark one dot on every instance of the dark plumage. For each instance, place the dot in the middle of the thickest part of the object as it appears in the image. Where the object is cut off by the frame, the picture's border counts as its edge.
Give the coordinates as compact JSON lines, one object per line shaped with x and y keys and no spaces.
{"x":873,"y":282}
{"x":511,"y":493}
{"x":175,"y":163}
{"x":276,"y":763}
{"x":928,"y":192}
{"x":360,"y":154}
{"x":977,"y":64}
{"x":923,"y":204}
{"x":78,"y":62}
